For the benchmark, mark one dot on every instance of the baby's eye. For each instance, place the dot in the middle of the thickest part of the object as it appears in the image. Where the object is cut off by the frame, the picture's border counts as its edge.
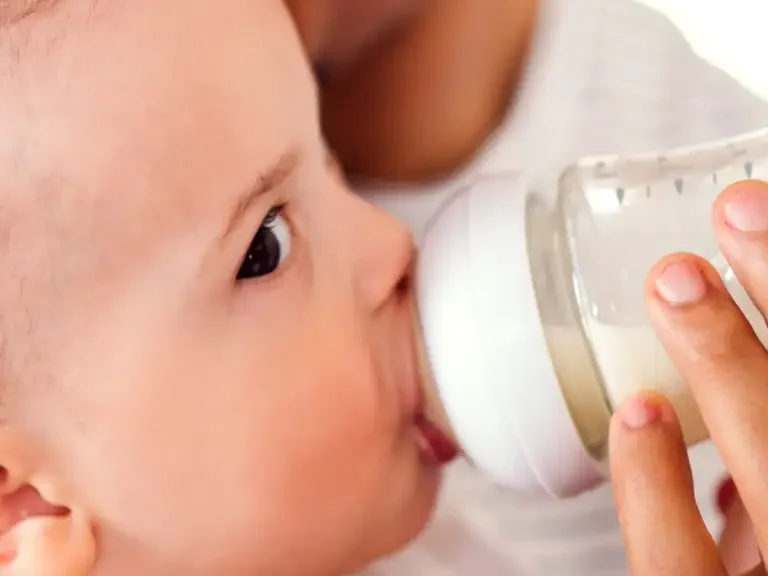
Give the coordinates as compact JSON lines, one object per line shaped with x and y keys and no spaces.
{"x":269,"y":248}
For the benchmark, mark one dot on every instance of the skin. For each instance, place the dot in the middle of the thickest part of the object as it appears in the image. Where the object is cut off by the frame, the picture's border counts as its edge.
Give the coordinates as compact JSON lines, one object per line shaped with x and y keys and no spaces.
{"x":193,"y":423}
{"x":394,"y":107}
{"x":664,"y":532}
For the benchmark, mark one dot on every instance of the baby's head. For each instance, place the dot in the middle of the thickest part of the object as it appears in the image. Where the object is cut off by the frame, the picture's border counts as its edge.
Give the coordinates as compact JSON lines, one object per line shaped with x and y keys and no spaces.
{"x":207,"y":362}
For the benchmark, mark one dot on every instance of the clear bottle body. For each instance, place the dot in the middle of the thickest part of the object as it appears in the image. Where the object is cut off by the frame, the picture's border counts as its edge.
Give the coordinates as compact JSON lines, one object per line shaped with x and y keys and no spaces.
{"x":613,"y":220}
{"x":572,"y":357}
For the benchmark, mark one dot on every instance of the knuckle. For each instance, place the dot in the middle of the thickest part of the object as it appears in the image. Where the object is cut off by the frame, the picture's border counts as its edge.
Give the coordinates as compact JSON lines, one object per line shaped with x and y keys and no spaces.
{"x":716,"y":334}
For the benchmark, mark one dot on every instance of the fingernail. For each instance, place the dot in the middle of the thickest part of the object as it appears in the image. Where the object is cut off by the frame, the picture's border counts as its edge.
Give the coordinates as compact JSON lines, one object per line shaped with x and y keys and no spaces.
{"x":681,"y":283}
{"x":748,"y":209}
{"x":640,"y":411}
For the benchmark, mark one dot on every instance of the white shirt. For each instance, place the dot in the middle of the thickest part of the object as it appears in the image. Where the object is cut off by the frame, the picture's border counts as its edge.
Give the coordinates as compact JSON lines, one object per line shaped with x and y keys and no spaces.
{"x":604,"y":76}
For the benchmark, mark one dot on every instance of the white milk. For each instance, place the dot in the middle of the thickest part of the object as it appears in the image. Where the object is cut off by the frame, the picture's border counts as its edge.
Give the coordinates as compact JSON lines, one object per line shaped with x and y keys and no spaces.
{"x":582,"y":388}
{"x":630,"y":359}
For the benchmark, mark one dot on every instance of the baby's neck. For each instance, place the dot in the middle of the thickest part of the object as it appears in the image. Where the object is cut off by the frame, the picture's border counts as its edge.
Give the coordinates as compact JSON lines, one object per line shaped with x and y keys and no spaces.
{"x":420,"y":106}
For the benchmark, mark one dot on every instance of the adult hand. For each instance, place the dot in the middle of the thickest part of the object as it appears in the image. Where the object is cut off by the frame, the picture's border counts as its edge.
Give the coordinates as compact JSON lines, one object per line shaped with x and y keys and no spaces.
{"x":717,"y":352}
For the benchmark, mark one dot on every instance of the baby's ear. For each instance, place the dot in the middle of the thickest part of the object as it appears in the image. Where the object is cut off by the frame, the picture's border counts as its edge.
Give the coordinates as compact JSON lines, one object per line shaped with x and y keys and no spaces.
{"x":41,"y":532}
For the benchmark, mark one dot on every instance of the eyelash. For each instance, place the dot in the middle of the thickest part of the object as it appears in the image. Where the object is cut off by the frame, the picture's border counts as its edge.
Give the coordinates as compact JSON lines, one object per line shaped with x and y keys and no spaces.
{"x":273,"y":213}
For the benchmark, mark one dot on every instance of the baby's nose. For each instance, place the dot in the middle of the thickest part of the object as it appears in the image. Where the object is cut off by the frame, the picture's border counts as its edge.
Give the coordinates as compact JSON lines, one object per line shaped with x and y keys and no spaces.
{"x":383,"y":253}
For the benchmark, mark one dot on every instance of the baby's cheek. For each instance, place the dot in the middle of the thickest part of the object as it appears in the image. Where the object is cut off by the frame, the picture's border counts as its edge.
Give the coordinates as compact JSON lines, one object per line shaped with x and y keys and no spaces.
{"x":347,"y":416}
{"x":341,"y":372}
{"x":169,"y":454}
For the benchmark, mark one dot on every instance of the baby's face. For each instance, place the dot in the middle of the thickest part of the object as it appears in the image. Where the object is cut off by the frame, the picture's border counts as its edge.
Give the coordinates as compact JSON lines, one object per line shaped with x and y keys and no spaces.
{"x":222,"y":329}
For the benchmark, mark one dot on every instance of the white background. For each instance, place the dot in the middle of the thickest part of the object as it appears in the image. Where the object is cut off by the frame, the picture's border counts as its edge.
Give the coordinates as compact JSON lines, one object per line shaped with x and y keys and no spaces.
{"x":732,"y":34}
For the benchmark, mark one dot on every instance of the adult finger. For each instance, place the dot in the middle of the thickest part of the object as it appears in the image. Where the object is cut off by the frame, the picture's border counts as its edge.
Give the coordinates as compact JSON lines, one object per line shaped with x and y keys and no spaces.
{"x":661,"y":524}
{"x":717,"y":352}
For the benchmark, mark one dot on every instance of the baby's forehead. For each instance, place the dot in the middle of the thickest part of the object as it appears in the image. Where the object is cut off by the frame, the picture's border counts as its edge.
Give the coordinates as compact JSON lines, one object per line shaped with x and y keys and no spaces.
{"x":138,"y":121}
{"x":130,"y":130}
{"x":13,"y":11}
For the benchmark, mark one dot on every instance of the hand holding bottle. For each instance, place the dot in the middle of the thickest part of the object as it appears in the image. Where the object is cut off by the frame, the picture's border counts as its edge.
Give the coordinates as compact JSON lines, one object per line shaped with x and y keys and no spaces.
{"x":717,"y":352}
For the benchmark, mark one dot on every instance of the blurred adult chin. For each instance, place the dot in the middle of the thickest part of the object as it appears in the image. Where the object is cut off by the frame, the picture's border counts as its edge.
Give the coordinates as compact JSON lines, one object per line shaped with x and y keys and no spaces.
{"x":338,"y":33}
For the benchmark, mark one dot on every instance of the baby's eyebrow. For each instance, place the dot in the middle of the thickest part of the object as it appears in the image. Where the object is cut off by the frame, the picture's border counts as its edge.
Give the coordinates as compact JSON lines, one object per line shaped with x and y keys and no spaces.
{"x":274,"y":176}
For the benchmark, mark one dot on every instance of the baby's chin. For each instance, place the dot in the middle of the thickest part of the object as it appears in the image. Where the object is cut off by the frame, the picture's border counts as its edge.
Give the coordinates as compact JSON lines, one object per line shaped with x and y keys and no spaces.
{"x":398,"y":541}
{"x":410,"y":523}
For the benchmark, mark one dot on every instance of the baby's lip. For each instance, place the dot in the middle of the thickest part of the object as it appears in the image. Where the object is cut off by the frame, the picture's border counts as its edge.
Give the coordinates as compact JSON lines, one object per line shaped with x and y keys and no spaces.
{"x":409,"y":375}
{"x":436,"y":447}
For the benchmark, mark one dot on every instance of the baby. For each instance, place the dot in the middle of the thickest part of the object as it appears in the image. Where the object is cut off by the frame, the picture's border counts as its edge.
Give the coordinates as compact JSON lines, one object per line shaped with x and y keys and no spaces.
{"x":207,"y":355}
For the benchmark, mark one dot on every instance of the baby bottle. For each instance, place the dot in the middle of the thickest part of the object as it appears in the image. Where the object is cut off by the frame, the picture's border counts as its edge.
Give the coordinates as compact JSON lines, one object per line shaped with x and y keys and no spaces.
{"x":531,"y":306}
